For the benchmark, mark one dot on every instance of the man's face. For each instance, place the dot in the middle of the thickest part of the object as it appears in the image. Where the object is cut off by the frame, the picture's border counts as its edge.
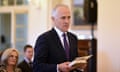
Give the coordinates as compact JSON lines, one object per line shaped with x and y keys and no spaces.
{"x":62,"y":18}
{"x":29,"y":53}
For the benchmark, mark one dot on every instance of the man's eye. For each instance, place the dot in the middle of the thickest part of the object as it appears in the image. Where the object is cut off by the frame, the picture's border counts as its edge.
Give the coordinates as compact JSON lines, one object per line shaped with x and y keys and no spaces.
{"x":63,"y":17}
{"x":69,"y":17}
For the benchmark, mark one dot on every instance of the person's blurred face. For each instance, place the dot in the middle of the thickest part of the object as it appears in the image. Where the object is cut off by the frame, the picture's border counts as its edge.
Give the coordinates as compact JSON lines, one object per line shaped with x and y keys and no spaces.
{"x":29,"y":53}
{"x":62,"y":18}
{"x":12,"y":59}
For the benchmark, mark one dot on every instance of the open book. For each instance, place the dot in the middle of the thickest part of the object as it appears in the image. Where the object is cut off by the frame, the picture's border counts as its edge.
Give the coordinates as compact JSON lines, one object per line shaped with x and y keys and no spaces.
{"x":80,"y":60}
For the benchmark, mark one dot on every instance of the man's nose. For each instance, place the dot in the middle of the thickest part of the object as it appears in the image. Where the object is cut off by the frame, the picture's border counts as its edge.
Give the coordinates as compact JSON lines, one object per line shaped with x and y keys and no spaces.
{"x":67,"y":20}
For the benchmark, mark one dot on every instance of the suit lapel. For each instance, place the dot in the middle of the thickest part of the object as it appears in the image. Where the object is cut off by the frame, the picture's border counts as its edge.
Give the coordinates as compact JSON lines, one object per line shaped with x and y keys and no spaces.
{"x":58,"y":42}
{"x":26,"y":65}
{"x":71,"y":45}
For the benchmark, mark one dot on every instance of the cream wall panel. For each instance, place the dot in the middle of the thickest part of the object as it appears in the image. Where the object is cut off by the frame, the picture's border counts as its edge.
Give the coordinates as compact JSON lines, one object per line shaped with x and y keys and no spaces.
{"x":109,"y":36}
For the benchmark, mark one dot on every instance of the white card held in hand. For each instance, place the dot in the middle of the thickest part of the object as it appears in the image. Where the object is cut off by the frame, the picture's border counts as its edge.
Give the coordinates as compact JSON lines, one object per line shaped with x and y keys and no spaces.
{"x":80,"y":60}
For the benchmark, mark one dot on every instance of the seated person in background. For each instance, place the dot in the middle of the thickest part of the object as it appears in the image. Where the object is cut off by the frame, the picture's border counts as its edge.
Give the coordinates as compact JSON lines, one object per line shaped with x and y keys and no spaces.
{"x":9,"y":61}
{"x":26,"y":64}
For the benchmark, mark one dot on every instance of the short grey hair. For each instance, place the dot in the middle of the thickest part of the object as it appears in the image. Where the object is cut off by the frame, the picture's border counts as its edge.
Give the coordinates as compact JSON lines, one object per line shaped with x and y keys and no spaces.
{"x":54,"y":11}
{"x":6,"y":54}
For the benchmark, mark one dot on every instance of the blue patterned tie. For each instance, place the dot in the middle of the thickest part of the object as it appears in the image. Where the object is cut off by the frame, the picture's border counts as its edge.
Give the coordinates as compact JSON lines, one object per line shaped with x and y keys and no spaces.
{"x":66,"y":46}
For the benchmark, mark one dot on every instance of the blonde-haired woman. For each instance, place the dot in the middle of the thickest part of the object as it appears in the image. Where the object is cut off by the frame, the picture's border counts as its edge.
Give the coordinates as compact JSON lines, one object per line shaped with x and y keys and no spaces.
{"x":9,"y":60}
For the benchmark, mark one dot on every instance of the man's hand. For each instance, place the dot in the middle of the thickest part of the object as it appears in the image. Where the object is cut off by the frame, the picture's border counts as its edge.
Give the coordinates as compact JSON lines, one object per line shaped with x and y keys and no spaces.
{"x":63,"y":67}
{"x":80,"y":66}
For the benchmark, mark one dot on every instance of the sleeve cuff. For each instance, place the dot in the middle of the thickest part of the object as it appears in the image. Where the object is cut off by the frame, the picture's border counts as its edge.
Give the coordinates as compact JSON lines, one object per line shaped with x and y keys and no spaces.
{"x":57,"y":69}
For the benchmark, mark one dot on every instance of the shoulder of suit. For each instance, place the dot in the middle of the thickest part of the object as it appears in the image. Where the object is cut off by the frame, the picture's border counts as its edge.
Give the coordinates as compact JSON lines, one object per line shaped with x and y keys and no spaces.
{"x":21,"y":63}
{"x":47,"y":34}
{"x":72,"y":34}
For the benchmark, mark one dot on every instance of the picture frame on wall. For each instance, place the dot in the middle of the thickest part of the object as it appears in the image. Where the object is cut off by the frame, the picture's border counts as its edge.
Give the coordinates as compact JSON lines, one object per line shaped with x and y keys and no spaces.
{"x":81,"y":15}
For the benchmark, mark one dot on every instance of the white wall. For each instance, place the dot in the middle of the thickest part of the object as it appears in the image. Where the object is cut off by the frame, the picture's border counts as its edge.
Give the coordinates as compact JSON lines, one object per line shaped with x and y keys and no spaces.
{"x":38,"y":20}
{"x":109,"y":36}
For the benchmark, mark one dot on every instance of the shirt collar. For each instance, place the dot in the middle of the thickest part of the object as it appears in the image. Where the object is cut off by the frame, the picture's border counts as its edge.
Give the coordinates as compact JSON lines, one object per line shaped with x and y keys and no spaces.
{"x":59,"y":32}
{"x":28,"y":61}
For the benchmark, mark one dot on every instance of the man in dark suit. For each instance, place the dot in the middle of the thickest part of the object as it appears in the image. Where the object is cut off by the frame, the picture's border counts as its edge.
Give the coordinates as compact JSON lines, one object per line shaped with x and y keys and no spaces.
{"x":56,"y":48}
{"x":26,"y":65}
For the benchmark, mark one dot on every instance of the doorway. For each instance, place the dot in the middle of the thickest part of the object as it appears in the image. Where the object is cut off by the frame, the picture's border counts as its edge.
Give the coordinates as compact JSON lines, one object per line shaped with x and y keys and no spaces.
{"x":5,"y":31}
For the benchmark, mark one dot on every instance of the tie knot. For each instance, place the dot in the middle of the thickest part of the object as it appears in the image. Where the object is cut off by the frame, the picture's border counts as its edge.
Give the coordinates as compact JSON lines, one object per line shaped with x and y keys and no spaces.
{"x":64,"y":35}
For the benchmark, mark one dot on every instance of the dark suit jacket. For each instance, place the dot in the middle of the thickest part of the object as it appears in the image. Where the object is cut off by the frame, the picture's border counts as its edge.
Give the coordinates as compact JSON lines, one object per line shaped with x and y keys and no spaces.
{"x":25,"y":67}
{"x":49,"y":51}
